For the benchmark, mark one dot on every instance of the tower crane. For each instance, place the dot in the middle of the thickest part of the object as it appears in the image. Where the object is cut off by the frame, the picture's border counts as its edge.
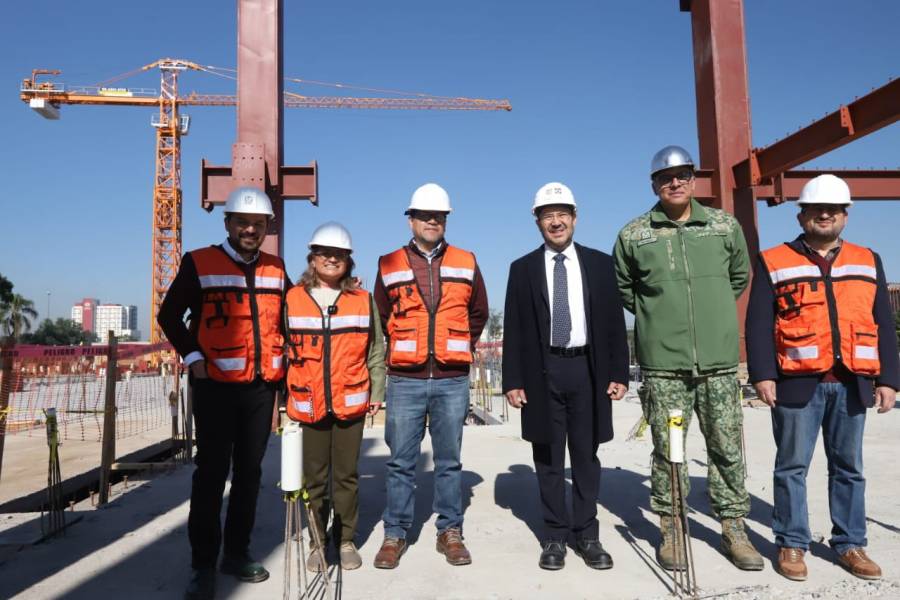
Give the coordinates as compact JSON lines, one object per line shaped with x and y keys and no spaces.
{"x":45,"y":96}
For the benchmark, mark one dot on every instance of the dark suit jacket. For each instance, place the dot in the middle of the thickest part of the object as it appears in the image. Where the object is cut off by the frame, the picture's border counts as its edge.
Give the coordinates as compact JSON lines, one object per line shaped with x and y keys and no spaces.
{"x":762,"y":361}
{"x":526,"y":338}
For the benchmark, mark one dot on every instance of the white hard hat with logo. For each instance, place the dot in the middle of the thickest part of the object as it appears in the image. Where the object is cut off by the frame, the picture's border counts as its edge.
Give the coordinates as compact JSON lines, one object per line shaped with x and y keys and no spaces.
{"x":825,"y":189}
{"x":248,"y":200}
{"x":430,"y":197}
{"x":332,"y":235}
{"x":552,"y":193}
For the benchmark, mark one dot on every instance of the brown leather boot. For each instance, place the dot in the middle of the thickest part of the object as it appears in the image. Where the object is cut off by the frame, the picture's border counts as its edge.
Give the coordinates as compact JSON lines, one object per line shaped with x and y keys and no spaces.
{"x":450,"y":544}
{"x":388,"y":556}
{"x":858,"y":563}
{"x":791,"y":564}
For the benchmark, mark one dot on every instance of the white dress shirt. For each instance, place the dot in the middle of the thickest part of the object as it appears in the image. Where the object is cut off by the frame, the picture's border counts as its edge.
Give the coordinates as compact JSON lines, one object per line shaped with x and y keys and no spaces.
{"x":578,"y":335}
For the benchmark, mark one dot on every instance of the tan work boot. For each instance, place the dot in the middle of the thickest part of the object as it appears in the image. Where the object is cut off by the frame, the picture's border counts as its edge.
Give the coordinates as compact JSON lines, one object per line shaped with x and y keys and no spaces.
{"x":350,"y":558}
{"x":736,"y":546}
{"x":669,"y":529}
{"x":314,"y":560}
{"x":791,"y":564}
{"x":857,"y":562}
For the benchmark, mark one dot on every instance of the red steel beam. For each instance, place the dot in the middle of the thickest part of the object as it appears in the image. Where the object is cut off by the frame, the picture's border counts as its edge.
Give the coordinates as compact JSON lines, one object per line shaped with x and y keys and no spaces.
{"x":723,"y":110}
{"x":861,"y":117}
{"x":257,"y":155}
{"x":864,"y":185}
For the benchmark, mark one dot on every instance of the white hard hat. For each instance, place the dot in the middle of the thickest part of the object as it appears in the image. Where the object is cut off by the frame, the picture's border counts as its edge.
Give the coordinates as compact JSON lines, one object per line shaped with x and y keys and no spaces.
{"x":249,"y":200}
{"x":430,"y":196}
{"x":668,"y":157}
{"x":552,"y":193}
{"x":332,"y":235}
{"x":825,"y":189}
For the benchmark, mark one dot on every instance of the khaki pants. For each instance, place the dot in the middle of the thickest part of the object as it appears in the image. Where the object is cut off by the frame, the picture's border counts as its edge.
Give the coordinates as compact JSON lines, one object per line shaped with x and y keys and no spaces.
{"x":333,"y":445}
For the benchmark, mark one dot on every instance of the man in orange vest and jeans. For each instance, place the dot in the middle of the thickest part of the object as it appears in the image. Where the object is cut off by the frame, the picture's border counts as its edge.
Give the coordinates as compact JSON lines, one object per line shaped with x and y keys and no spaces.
{"x":821,"y":349}
{"x":233,"y":349}
{"x":433,"y":307}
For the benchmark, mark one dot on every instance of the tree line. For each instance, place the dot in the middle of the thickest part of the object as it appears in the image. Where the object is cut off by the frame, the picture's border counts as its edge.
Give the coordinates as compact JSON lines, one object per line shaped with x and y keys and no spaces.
{"x":18,"y":314}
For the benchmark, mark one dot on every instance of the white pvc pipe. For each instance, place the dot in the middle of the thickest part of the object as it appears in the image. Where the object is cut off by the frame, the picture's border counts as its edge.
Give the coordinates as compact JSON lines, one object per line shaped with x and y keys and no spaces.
{"x":676,"y":436}
{"x":291,"y":457}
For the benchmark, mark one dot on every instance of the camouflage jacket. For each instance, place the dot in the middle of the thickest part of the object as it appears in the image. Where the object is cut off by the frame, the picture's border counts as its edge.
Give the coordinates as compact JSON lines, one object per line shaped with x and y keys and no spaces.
{"x":681,"y":280}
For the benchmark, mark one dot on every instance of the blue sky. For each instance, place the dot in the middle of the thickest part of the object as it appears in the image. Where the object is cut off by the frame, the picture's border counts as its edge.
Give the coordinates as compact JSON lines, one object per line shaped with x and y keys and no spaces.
{"x":596,"y":87}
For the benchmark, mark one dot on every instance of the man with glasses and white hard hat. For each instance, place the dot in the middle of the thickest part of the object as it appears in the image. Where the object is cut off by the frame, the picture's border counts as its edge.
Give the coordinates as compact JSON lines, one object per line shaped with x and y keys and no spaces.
{"x":433,"y":306}
{"x":821,"y":349}
{"x":565,"y":358}
{"x":233,"y":350}
{"x":681,"y":267}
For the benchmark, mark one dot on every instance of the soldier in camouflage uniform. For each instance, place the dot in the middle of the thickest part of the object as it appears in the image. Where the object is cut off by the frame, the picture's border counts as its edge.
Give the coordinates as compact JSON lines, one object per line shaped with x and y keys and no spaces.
{"x":680,"y":267}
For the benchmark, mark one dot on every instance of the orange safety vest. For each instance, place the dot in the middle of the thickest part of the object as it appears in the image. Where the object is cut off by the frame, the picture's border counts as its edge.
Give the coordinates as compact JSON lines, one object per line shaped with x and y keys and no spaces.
{"x":823,"y":320}
{"x":327,"y":354}
{"x":239,"y":330}
{"x":413,"y":331}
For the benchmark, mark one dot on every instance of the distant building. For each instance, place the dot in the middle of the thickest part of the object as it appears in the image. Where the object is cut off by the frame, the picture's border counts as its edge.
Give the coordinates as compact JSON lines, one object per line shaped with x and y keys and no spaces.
{"x":894,"y":291}
{"x":84,"y":313}
{"x":121,"y":320}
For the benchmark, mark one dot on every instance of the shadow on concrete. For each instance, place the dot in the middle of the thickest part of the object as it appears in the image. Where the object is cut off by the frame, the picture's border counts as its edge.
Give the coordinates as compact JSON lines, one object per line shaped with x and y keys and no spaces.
{"x":626,"y":494}
{"x":373,"y":494}
{"x":517,"y":491}
{"x":159,"y":568}
{"x":96,"y":530}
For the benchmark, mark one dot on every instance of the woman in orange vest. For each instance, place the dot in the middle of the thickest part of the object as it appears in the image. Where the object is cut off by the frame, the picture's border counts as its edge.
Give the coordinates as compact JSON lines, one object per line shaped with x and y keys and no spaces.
{"x":336,"y":376}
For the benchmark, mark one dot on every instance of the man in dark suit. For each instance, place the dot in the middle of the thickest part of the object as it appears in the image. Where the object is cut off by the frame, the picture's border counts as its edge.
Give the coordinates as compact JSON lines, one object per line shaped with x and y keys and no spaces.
{"x":565,"y":356}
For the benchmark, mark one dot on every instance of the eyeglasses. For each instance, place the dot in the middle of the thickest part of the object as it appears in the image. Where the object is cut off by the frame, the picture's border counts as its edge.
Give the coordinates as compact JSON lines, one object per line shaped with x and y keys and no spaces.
{"x":561,"y":215}
{"x":438,"y":217}
{"x":664,"y":179}
{"x":832,"y":209}
{"x":336,"y":253}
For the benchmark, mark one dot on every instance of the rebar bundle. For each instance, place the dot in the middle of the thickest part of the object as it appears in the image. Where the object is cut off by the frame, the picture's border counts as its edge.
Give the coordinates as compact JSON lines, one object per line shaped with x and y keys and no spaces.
{"x":56,"y":516}
{"x":684,"y":574}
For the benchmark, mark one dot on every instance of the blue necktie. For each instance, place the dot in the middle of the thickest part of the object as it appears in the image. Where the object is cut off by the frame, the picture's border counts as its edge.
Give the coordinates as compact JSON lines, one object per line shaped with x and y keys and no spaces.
{"x":562,"y":320}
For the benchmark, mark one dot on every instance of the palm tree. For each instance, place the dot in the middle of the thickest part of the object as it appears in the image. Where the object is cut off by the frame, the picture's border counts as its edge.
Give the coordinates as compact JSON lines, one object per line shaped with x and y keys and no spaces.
{"x":16,"y":316}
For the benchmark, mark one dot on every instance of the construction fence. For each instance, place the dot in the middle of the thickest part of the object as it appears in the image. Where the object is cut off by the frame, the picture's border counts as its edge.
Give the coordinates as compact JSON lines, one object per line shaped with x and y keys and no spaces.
{"x":92,"y":397}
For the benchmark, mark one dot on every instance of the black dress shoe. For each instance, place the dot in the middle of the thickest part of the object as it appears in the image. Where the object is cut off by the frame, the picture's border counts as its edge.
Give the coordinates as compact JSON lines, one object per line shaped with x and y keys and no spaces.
{"x":553,"y":556}
{"x":593,"y":554}
{"x":202,"y":585}
{"x":244,"y":568}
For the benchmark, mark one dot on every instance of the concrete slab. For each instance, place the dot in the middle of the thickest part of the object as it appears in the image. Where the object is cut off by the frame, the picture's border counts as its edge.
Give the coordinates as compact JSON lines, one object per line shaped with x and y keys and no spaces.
{"x":136,"y":547}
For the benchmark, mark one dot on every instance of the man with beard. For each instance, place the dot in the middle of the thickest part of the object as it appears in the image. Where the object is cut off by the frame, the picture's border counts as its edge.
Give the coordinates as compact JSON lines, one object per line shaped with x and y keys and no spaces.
{"x":233,"y":350}
{"x":819,"y":333}
{"x":680,"y":267}
{"x":565,"y":357}
{"x":433,"y":306}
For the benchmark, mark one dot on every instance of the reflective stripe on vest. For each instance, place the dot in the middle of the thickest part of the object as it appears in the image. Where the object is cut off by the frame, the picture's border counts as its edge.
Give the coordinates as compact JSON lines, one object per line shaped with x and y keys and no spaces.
{"x":414,"y":333}
{"x":822,"y":320}
{"x":226,"y":330}
{"x":327,"y":370}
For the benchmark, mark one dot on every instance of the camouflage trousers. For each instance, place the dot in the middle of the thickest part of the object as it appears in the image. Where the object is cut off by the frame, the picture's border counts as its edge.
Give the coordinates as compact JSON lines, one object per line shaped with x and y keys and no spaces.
{"x":716,"y":401}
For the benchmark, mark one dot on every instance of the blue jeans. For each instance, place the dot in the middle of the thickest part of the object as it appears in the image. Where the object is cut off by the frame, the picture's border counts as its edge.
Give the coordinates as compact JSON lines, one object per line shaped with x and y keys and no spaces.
{"x":837,"y":410}
{"x":446,"y":403}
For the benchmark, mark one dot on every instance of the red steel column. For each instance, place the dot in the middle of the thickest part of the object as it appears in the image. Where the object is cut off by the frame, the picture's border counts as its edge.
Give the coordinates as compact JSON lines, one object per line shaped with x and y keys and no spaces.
{"x":260,"y":122}
{"x":723,"y":111}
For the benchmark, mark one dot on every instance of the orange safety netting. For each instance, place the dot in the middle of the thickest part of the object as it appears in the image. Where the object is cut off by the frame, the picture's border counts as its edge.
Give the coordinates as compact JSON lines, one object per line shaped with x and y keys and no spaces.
{"x":73,"y":380}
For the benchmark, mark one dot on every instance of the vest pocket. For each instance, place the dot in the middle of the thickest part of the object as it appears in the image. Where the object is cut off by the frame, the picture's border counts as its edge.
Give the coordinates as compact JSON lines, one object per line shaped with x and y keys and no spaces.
{"x":356,"y":399}
{"x":458,"y":346}
{"x":798,"y":350}
{"x":404,"y":346}
{"x":864,"y":358}
{"x":300,"y":404}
